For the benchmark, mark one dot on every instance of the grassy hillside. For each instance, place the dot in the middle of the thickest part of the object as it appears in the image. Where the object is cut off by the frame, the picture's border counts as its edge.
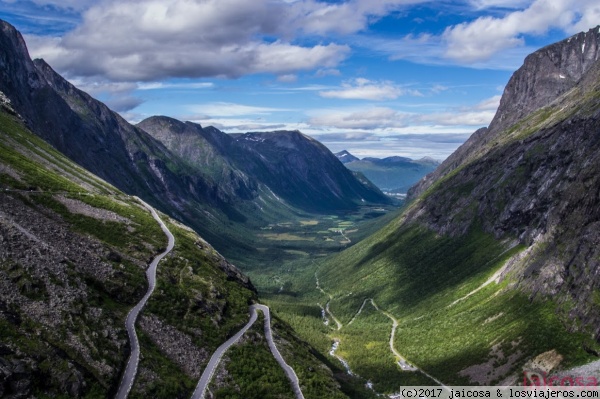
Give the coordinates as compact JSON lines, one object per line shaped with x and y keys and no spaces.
{"x":451,"y":321}
{"x":489,"y":273}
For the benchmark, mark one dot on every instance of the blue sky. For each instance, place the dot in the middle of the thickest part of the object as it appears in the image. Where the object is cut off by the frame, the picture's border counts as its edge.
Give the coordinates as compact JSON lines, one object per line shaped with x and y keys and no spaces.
{"x":376,"y":77}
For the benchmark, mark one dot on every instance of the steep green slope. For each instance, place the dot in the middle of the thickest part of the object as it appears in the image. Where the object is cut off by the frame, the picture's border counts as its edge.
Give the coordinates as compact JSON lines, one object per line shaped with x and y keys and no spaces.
{"x":72,"y":260}
{"x":249,"y":370}
{"x":73,"y":255}
{"x":450,"y":319}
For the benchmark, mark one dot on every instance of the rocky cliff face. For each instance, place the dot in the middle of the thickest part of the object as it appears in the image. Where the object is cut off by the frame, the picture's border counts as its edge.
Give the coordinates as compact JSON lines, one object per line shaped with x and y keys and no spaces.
{"x":545,"y":75}
{"x":532,"y":176}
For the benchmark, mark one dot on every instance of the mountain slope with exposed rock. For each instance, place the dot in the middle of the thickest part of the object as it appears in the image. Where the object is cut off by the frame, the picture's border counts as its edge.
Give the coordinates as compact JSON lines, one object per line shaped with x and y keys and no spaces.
{"x":73,"y":255}
{"x":503,"y":237}
{"x":210,"y":192}
{"x":295,"y":167}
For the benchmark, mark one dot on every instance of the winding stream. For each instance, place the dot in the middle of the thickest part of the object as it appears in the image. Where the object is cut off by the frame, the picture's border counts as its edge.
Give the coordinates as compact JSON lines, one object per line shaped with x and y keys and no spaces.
{"x":334,"y":348}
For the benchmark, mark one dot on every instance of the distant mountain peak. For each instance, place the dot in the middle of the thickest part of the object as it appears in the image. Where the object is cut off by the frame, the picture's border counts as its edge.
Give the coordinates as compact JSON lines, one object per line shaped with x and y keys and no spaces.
{"x":345,"y":157}
{"x":429,"y":160}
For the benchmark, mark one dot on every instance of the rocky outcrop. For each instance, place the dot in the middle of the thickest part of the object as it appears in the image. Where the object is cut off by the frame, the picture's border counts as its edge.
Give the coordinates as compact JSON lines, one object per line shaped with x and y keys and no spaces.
{"x":545,"y":75}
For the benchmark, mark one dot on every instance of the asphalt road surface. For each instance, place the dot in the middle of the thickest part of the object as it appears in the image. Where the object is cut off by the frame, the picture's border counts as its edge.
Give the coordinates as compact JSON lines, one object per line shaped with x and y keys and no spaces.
{"x":209,"y":371}
{"x":134,"y":357}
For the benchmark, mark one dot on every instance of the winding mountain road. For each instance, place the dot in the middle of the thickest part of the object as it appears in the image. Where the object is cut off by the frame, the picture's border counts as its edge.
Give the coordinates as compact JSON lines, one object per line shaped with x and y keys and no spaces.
{"x":209,"y":371}
{"x":359,"y":311}
{"x":404,"y":365}
{"x":289,"y":371}
{"x":401,"y":361}
{"x":134,"y":357}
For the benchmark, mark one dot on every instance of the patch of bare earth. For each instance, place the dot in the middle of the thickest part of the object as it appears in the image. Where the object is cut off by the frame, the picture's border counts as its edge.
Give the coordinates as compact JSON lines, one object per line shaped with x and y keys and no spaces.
{"x":81,"y":208}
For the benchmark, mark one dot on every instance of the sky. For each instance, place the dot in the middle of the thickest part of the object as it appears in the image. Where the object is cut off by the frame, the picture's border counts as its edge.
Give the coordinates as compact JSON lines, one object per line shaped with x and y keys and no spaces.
{"x":378,"y":78}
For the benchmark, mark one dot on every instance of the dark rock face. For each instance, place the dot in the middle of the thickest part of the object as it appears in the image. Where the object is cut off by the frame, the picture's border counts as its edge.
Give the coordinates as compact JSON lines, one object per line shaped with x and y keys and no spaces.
{"x":533,"y":177}
{"x":545,"y":76}
{"x":301,"y":170}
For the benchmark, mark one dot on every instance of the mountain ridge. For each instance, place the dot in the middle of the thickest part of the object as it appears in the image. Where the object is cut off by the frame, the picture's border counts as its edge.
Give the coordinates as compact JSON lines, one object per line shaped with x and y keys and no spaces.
{"x":131,"y":159}
{"x":394,"y":174}
{"x":544,"y":76}
{"x":292,"y":165}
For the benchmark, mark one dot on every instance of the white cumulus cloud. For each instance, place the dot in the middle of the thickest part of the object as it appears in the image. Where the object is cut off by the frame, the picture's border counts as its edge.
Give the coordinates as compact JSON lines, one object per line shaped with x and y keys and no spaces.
{"x":480,"y":114}
{"x":484,"y":37}
{"x":226,"y":109}
{"x":147,"y":40}
{"x":144,"y":40}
